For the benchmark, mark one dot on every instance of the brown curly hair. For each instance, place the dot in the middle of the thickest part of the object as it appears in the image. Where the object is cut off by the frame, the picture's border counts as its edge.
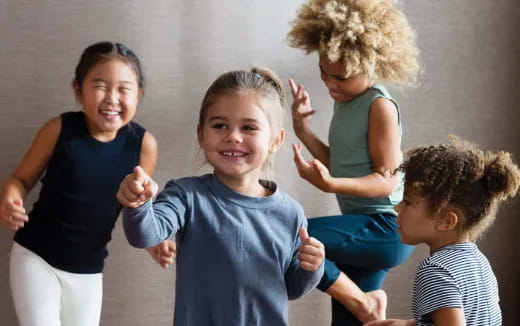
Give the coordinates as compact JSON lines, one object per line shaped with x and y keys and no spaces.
{"x":461,"y":175}
{"x":369,"y":36}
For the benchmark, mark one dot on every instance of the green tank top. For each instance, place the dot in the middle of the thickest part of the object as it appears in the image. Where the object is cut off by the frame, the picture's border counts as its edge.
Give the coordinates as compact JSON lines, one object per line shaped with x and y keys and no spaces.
{"x":349,"y":155}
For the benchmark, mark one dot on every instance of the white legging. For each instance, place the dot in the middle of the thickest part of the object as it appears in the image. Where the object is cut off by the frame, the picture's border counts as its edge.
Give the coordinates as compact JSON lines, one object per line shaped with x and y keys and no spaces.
{"x":46,"y":296}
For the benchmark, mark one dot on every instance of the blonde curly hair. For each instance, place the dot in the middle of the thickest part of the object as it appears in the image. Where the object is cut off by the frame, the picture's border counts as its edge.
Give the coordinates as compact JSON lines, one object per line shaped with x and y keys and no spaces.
{"x":369,"y":36}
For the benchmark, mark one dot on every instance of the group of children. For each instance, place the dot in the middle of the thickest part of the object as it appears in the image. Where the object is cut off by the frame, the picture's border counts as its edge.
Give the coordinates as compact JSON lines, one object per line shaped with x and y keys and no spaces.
{"x":244,"y":249}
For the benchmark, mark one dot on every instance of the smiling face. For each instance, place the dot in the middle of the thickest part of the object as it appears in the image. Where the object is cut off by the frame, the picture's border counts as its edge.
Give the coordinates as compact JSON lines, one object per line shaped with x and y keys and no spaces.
{"x":109,"y":95}
{"x":236,"y":136}
{"x":342,"y":88}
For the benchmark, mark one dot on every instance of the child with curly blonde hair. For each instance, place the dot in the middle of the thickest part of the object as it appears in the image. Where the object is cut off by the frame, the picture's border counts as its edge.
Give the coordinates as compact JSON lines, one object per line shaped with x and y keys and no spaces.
{"x":359,"y":43}
{"x":451,"y":196}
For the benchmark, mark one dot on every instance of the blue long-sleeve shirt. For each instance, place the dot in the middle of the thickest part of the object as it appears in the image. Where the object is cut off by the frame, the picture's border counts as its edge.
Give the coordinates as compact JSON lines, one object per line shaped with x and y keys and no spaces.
{"x":236,"y":262}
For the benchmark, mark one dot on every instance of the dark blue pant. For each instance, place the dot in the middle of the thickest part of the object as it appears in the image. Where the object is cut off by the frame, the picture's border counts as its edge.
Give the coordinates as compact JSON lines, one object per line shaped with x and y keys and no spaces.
{"x":364,"y":247}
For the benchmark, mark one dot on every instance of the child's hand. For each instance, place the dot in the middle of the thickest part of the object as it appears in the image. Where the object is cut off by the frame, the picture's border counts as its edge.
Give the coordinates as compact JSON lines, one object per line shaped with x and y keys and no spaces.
{"x":136,"y":188}
{"x":311,"y":252}
{"x":391,"y":322}
{"x":12,"y":214}
{"x":163,"y":253}
{"x":301,"y":108}
{"x":313,"y":171}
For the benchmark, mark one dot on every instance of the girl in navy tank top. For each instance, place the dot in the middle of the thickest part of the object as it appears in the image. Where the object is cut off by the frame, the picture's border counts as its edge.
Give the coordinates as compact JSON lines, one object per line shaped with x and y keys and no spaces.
{"x":58,"y":255}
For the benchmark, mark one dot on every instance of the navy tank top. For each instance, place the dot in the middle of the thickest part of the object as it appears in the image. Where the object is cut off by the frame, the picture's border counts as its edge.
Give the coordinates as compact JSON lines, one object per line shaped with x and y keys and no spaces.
{"x":72,"y":220}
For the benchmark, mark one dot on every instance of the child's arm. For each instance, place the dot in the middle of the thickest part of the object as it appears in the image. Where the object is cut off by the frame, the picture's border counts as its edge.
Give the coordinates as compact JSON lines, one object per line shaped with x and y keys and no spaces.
{"x":164,"y":252}
{"x":449,"y":317}
{"x":301,"y":112}
{"x":441,"y":317}
{"x":148,"y":157}
{"x":27,"y":173}
{"x":307,"y":266}
{"x":384,"y":149}
{"x":147,"y":225}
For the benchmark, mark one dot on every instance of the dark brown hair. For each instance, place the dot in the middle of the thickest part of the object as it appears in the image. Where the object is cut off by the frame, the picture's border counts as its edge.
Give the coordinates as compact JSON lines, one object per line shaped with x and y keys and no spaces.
{"x":101,"y":51}
{"x":461,"y":175}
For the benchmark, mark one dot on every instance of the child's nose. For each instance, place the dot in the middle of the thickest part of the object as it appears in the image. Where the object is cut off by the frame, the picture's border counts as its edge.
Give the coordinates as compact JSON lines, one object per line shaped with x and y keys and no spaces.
{"x":112,"y":97}
{"x":330,"y":83}
{"x":234,"y":136}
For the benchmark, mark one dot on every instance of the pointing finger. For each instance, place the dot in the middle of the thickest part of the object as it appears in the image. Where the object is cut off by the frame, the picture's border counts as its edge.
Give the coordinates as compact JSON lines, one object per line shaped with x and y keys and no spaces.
{"x":139,"y":175}
{"x":298,"y":158}
{"x":293,"y":87}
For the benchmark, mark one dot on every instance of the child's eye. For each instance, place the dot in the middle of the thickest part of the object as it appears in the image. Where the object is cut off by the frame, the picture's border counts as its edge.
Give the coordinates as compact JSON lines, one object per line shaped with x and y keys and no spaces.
{"x":101,"y":87}
{"x":218,"y":126}
{"x":249,"y":128}
{"x":341,"y":78}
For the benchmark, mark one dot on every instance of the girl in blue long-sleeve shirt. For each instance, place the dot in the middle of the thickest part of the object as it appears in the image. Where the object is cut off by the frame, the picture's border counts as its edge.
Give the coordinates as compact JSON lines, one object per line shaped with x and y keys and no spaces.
{"x":244,"y":249}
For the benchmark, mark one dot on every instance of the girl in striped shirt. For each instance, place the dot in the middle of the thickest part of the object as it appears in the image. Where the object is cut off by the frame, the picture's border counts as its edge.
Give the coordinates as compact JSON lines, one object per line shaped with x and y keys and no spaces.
{"x":451,"y":196}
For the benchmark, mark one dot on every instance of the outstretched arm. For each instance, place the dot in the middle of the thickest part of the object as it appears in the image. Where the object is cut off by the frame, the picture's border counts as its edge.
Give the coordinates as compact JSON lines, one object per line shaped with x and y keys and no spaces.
{"x":29,"y":170}
{"x":302,"y":111}
{"x":164,"y":252}
{"x":147,"y":225}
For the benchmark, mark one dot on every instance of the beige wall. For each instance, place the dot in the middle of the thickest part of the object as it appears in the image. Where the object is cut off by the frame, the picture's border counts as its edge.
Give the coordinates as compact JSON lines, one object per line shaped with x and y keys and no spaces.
{"x":470,"y":54}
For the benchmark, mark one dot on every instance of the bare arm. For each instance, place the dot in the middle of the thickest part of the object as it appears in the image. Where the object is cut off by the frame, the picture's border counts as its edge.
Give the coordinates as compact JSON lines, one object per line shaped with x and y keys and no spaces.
{"x":301,"y":112}
{"x":449,"y":317}
{"x":148,"y":158}
{"x":384,"y":148}
{"x":26,"y":174}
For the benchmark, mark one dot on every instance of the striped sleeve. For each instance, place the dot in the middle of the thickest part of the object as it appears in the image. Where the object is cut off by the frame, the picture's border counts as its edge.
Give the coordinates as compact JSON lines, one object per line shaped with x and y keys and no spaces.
{"x":434,"y":289}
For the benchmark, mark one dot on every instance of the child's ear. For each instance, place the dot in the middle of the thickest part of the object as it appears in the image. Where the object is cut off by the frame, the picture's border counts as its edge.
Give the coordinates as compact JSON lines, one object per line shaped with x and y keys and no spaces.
{"x":77,"y":91}
{"x":447,"y":220}
{"x":277,"y":141}
{"x":199,"y":133}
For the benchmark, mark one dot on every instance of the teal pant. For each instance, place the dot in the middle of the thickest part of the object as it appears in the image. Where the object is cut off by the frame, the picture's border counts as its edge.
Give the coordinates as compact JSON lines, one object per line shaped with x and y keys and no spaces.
{"x":364,"y":247}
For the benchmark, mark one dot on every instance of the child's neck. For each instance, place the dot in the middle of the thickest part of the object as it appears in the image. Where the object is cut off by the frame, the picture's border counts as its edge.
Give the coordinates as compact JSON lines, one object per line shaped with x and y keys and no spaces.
{"x":245,"y":185}
{"x":446,"y":239}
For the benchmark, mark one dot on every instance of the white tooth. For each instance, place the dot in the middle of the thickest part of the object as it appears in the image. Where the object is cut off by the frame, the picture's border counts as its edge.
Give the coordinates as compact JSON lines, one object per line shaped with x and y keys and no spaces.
{"x":109,"y":112}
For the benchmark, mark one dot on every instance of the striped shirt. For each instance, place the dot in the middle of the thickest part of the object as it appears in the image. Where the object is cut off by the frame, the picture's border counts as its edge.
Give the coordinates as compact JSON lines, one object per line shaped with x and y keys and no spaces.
{"x":457,"y":276}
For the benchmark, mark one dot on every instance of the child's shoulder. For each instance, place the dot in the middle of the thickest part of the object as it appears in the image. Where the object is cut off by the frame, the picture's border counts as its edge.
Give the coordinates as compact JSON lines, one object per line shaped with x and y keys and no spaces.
{"x":452,"y":257}
{"x":378,"y":91}
{"x":189,"y":182}
{"x":290,"y":204}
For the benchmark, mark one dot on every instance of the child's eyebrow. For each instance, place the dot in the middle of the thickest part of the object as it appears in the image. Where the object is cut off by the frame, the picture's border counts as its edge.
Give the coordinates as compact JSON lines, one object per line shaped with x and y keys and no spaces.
{"x":335,"y":76}
{"x":223,"y":118}
{"x":216,"y":118}
{"x":101,"y":80}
